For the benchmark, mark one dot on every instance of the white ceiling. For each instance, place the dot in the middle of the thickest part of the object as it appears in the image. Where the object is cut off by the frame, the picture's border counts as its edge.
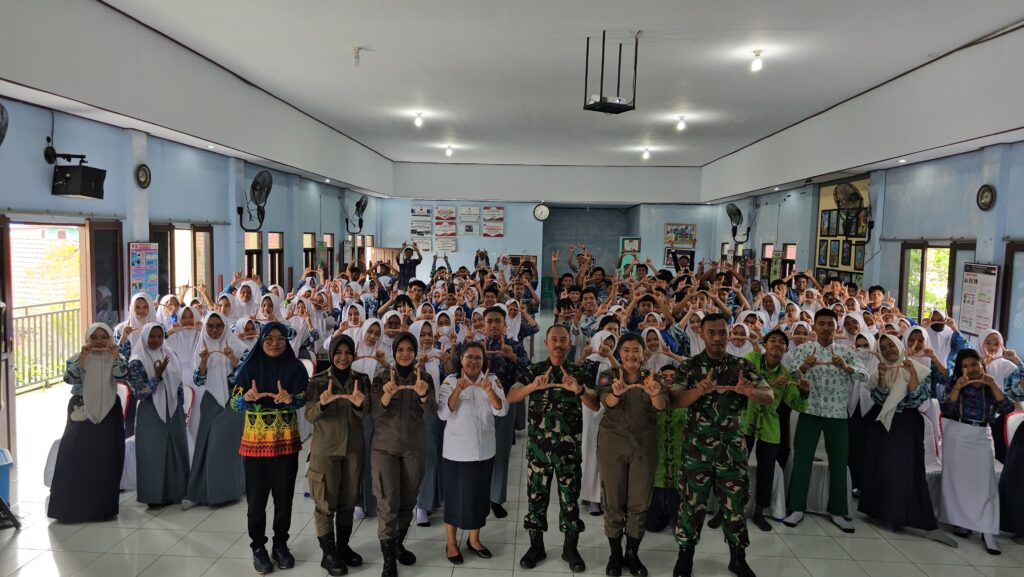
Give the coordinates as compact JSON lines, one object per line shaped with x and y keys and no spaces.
{"x":502,"y":82}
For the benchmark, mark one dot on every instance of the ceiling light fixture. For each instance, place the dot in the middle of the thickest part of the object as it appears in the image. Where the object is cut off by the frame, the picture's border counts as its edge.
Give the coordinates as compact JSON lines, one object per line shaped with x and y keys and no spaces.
{"x":757,"y":64}
{"x":681,"y":125}
{"x":448,"y":151}
{"x":210,"y":146}
{"x":776,"y":188}
{"x":902,"y":161}
{"x":646,"y":155}
{"x":419,"y":120}
{"x":328,"y":181}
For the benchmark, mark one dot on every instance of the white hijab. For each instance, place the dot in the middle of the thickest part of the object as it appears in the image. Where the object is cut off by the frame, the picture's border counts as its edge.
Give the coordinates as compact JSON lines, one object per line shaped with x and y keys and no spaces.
{"x":136,"y":322}
{"x":165,"y":397}
{"x":1000,"y":368}
{"x":443,"y":335}
{"x":596,"y":342}
{"x":365,"y":363}
{"x":218,"y":366}
{"x":253,"y":304}
{"x":161,"y":316}
{"x":433,"y":364}
{"x":238,"y":311}
{"x":238,"y":328}
{"x":99,"y":390}
{"x":694,"y":338}
{"x":742,"y":350}
{"x":898,"y":380}
{"x":658,"y":358}
{"x":513,"y":324}
{"x":183,"y":343}
{"x":906,"y":345}
{"x":942,"y":341}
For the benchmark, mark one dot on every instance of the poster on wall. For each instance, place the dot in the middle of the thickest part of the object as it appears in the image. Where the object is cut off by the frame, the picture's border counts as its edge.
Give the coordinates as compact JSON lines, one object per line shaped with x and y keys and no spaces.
{"x":445,"y":245}
{"x":684,"y":234}
{"x":425,"y":244}
{"x":421,"y":228}
{"x":684,"y":255}
{"x":143,"y":261}
{"x":494,"y":229}
{"x":978,"y":303}
{"x":421,"y":211}
{"x":493,"y":214}
{"x":469,"y":228}
{"x":469,"y":213}
{"x":444,"y":213}
{"x":444,"y":228}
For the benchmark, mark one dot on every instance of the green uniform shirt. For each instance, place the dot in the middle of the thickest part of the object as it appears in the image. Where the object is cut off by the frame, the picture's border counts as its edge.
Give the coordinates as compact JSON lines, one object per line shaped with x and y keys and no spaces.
{"x":671,"y":432}
{"x":763,"y":420}
{"x":555,"y":414}
{"x":717,"y":414}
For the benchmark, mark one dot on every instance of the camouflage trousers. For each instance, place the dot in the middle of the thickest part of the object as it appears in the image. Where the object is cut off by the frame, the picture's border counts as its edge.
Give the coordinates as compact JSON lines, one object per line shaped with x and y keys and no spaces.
{"x":713,"y":462}
{"x":561,"y":461}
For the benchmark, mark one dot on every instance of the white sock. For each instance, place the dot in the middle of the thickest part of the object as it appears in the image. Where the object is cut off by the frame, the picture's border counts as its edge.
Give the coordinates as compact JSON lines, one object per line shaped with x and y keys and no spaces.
{"x":359,"y":513}
{"x":843,"y":522}
{"x":794,"y":518}
{"x":990,"y":542}
{"x":422,"y":516}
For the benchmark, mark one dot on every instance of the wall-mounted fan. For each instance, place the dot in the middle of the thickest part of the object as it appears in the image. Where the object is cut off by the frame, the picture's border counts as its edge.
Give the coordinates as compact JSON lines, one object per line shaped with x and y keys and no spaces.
{"x":360,"y":209}
{"x":3,"y":123}
{"x":256,"y":202}
{"x":850,"y":203}
{"x":736,"y":218}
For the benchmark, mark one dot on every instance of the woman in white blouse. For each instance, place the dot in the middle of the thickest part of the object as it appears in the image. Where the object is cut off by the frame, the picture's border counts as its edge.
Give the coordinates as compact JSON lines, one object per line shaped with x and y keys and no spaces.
{"x":469,"y":403}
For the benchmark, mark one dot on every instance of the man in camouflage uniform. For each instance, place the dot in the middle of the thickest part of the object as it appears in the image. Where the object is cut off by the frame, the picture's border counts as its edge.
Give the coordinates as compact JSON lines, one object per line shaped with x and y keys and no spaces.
{"x":715,"y":386}
{"x":555,"y":426}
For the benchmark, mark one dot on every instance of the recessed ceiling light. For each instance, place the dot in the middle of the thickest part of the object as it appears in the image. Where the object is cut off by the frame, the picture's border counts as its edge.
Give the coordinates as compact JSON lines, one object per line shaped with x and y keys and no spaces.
{"x":902,"y":161}
{"x":328,"y":181}
{"x":210,"y":146}
{"x":646,"y":155}
{"x":756,"y":64}
{"x":419,"y":120}
{"x":448,"y":151}
{"x":681,"y":125}
{"x":776,"y":188}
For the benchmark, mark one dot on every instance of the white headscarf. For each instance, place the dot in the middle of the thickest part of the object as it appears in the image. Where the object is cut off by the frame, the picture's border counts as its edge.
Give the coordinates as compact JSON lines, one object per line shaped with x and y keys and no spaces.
{"x":278,"y":311}
{"x":906,"y":345}
{"x":432,"y":365}
{"x":238,"y":328}
{"x":165,"y":397}
{"x":183,"y":343}
{"x":1000,"y":368}
{"x":365,"y":363}
{"x":385,"y":340}
{"x":136,"y":322}
{"x":804,"y":324}
{"x":443,"y":335}
{"x":161,"y":316}
{"x":513,"y":324}
{"x":658,"y":358}
{"x":897,"y":379}
{"x":218,"y":366}
{"x":746,"y":347}
{"x":99,"y":390}
{"x":942,"y":341}
{"x":596,"y":342}
{"x":696,"y":341}
{"x":238,"y":311}
{"x":253,"y":305}
{"x":860,"y":393}
{"x":771,"y":318}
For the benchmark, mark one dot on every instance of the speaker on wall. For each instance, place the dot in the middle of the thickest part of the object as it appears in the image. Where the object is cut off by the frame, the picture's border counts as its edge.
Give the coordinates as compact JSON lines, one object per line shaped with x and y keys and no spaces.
{"x":79,"y":181}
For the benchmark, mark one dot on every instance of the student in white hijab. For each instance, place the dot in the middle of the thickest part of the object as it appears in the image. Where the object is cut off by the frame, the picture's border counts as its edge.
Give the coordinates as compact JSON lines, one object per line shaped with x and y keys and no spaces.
{"x":246,"y":331}
{"x":659,"y":354}
{"x":602,"y":349}
{"x":859,"y":405}
{"x":161,"y":441}
{"x":248,"y":296}
{"x":740,"y":342}
{"x":944,"y":337}
{"x":216,"y":476}
{"x":87,"y":472}
{"x":181,"y":338}
{"x":1004,"y":366}
{"x":429,"y":497}
{"x":370,"y":359}
{"x":167,"y":312}
{"x":129,"y":333}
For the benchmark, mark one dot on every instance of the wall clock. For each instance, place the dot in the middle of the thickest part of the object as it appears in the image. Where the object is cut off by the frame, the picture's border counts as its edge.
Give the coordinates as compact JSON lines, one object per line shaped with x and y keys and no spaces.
{"x":541,"y":212}
{"x":143,"y":177}
{"x":986,"y":196}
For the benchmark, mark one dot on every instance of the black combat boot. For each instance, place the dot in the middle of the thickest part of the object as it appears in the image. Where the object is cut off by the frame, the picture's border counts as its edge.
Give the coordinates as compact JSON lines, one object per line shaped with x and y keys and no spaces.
{"x":738,"y":562}
{"x":404,"y":556}
{"x":571,"y":555}
{"x":614,"y":567}
{"x":684,"y":562}
{"x":636,"y":568}
{"x":387,"y":547}
{"x":343,"y":552}
{"x":329,"y":561}
{"x":536,"y":552}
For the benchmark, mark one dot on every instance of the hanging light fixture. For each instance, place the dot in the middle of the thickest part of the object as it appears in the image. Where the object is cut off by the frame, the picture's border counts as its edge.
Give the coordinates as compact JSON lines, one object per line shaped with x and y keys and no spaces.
{"x":419,"y":120}
{"x":681,"y":125}
{"x":757,"y":64}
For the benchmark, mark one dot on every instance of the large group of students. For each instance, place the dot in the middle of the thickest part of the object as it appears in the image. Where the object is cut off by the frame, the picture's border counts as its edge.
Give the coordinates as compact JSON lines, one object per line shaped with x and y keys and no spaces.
{"x":663,"y":395}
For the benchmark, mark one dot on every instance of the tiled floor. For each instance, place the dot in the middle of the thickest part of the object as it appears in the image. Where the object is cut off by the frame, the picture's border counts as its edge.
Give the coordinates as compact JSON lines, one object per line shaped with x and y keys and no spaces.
{"x":212,"y":542}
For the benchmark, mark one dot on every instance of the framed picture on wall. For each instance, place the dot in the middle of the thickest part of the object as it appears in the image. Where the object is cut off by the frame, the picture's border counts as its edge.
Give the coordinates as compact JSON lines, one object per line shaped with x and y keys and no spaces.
{"x":676,"y":233}
{"x":858,"y":256}
{"x":861,"y":228}
{"x":844,"y":259}
{"x":823,"y":223}
{"x":821,"y":274}
{"x":684,"y":255}
{"x":823,"y":252}
{"x":833,"y":222}
{"x":833,"y":253}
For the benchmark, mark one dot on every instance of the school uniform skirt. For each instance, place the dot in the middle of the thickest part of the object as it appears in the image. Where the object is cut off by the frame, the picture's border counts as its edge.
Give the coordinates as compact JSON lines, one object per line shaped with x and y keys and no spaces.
{"x":87,"y":474}
{"x":1011,"y":502}
{"x":970,"y":495}
{"x":893,"y":485}
{"x":467,"y":492}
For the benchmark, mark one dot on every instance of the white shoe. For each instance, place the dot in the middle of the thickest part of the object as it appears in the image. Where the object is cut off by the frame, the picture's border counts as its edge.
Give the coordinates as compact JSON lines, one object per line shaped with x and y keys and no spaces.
{"x":359,"y":513}
{"x":793,"y":519}
{"x":422,"y":517}
{"x":991,"y":545}
{"x":186,"y":504}
{"x":843,"y":523}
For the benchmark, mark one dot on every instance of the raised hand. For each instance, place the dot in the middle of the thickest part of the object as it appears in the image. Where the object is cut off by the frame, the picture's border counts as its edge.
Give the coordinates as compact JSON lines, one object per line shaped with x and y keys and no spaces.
{"x":1011,"y":355}
{"x":160,"y":366}
{"x":485,"y":383}
{"x":743,"y":385}
{"x":356,"y":397}
{"x":421,"y":386}
{"x":253,"y":395}
{"x":282,"y":397}
{"x":328,"y":396}
{"x":707,"y":384}
{"x":802,"y":383}
{"x":86,"y":349}
{"x":227,"y":351}
{"x":651,"y":385}
{"x":390,"y":387}
{"x":541,"y":382}
{"x":507,"y":352}
{"x":569,"y":383}
{"x":619,"y":386}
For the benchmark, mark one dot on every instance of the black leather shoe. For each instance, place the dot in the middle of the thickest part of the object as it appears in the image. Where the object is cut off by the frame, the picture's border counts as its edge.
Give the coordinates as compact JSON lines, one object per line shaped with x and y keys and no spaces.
{"x":571,"y":554}
{"x":536,"y":552}
{"x":283,"y":557}
{"x":499,"y":511}
{"x":684,"y":562}
{"x":261,"y":561}
{"x":614,"y":566}
{"x":346,"y":555}
{"x":716,"y":521}
{"x":738,"y":563}
{"x":632,"y":558}
{"x":760,"y":522}
{"x":482,"y":552}
{"x":387,"y":548}
{"x":454,"y":559}
{"x":403,"y":555}
{"x":330,"y":563}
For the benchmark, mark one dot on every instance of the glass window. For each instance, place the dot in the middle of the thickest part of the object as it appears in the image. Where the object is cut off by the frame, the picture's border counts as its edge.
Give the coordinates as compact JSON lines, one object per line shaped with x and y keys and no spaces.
{"x":1015,"y":303}
{"x":202,"y":260}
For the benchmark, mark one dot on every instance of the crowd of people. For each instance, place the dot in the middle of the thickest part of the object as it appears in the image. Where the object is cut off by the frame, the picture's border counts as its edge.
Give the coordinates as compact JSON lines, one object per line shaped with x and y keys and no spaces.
{"x":655,"y":389}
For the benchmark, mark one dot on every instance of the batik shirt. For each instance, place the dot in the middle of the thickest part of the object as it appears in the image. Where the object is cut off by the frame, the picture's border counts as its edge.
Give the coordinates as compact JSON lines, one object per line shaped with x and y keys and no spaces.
{"x":268,"y":432}
{"x":830,"y":385}
{"x":717,"y":414}
{"x":974,"y":404}
{"x":912,"y":400}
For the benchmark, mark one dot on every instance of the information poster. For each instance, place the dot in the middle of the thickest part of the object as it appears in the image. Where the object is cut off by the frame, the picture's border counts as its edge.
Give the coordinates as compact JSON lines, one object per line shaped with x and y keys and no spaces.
{"x":494,"y":214}
{"x":494,"y":229}
{"x":445,"y":245}
{"x":444,"y":228}
{"x":470,"y":213}
{"x":469,"y":228}
{"x":144,"y":274}
{"x":421,"y":222}
{"x":444,"y":213}
{"x":978,"y":303}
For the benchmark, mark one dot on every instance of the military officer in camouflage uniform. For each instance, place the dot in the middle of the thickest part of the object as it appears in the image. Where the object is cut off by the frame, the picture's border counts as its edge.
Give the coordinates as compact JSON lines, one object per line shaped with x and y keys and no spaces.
{"x":715,"y":386}
{"x":555,"y":426}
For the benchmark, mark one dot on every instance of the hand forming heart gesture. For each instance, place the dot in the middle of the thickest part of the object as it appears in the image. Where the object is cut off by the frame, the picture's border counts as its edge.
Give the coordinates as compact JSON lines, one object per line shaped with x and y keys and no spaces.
{"x":253,"y":395}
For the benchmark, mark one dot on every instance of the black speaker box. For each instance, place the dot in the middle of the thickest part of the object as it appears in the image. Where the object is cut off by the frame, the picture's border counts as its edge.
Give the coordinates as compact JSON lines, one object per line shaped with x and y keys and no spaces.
{"x":78,"y":181}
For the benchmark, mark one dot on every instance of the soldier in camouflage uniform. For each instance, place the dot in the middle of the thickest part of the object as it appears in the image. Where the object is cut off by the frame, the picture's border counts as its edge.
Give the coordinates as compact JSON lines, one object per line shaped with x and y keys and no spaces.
{"x":715,"y":386}
{"x":555,"y":427}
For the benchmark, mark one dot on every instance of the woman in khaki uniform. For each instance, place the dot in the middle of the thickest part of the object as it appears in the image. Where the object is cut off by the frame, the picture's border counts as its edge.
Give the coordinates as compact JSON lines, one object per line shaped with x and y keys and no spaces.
{"x":627,"y":450}
{"x":396,"y":459}
{"x":335,"y":403}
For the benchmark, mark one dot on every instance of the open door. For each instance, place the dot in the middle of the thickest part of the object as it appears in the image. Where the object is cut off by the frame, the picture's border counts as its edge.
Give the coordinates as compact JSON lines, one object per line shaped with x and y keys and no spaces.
{"x":103,"y":298}
{"x":8,"y":428}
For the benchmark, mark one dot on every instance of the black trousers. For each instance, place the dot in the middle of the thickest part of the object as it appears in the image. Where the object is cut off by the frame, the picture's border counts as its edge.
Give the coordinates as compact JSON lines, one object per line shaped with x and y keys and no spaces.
{"x":767,"y":455}
{"x":266,"y":476}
